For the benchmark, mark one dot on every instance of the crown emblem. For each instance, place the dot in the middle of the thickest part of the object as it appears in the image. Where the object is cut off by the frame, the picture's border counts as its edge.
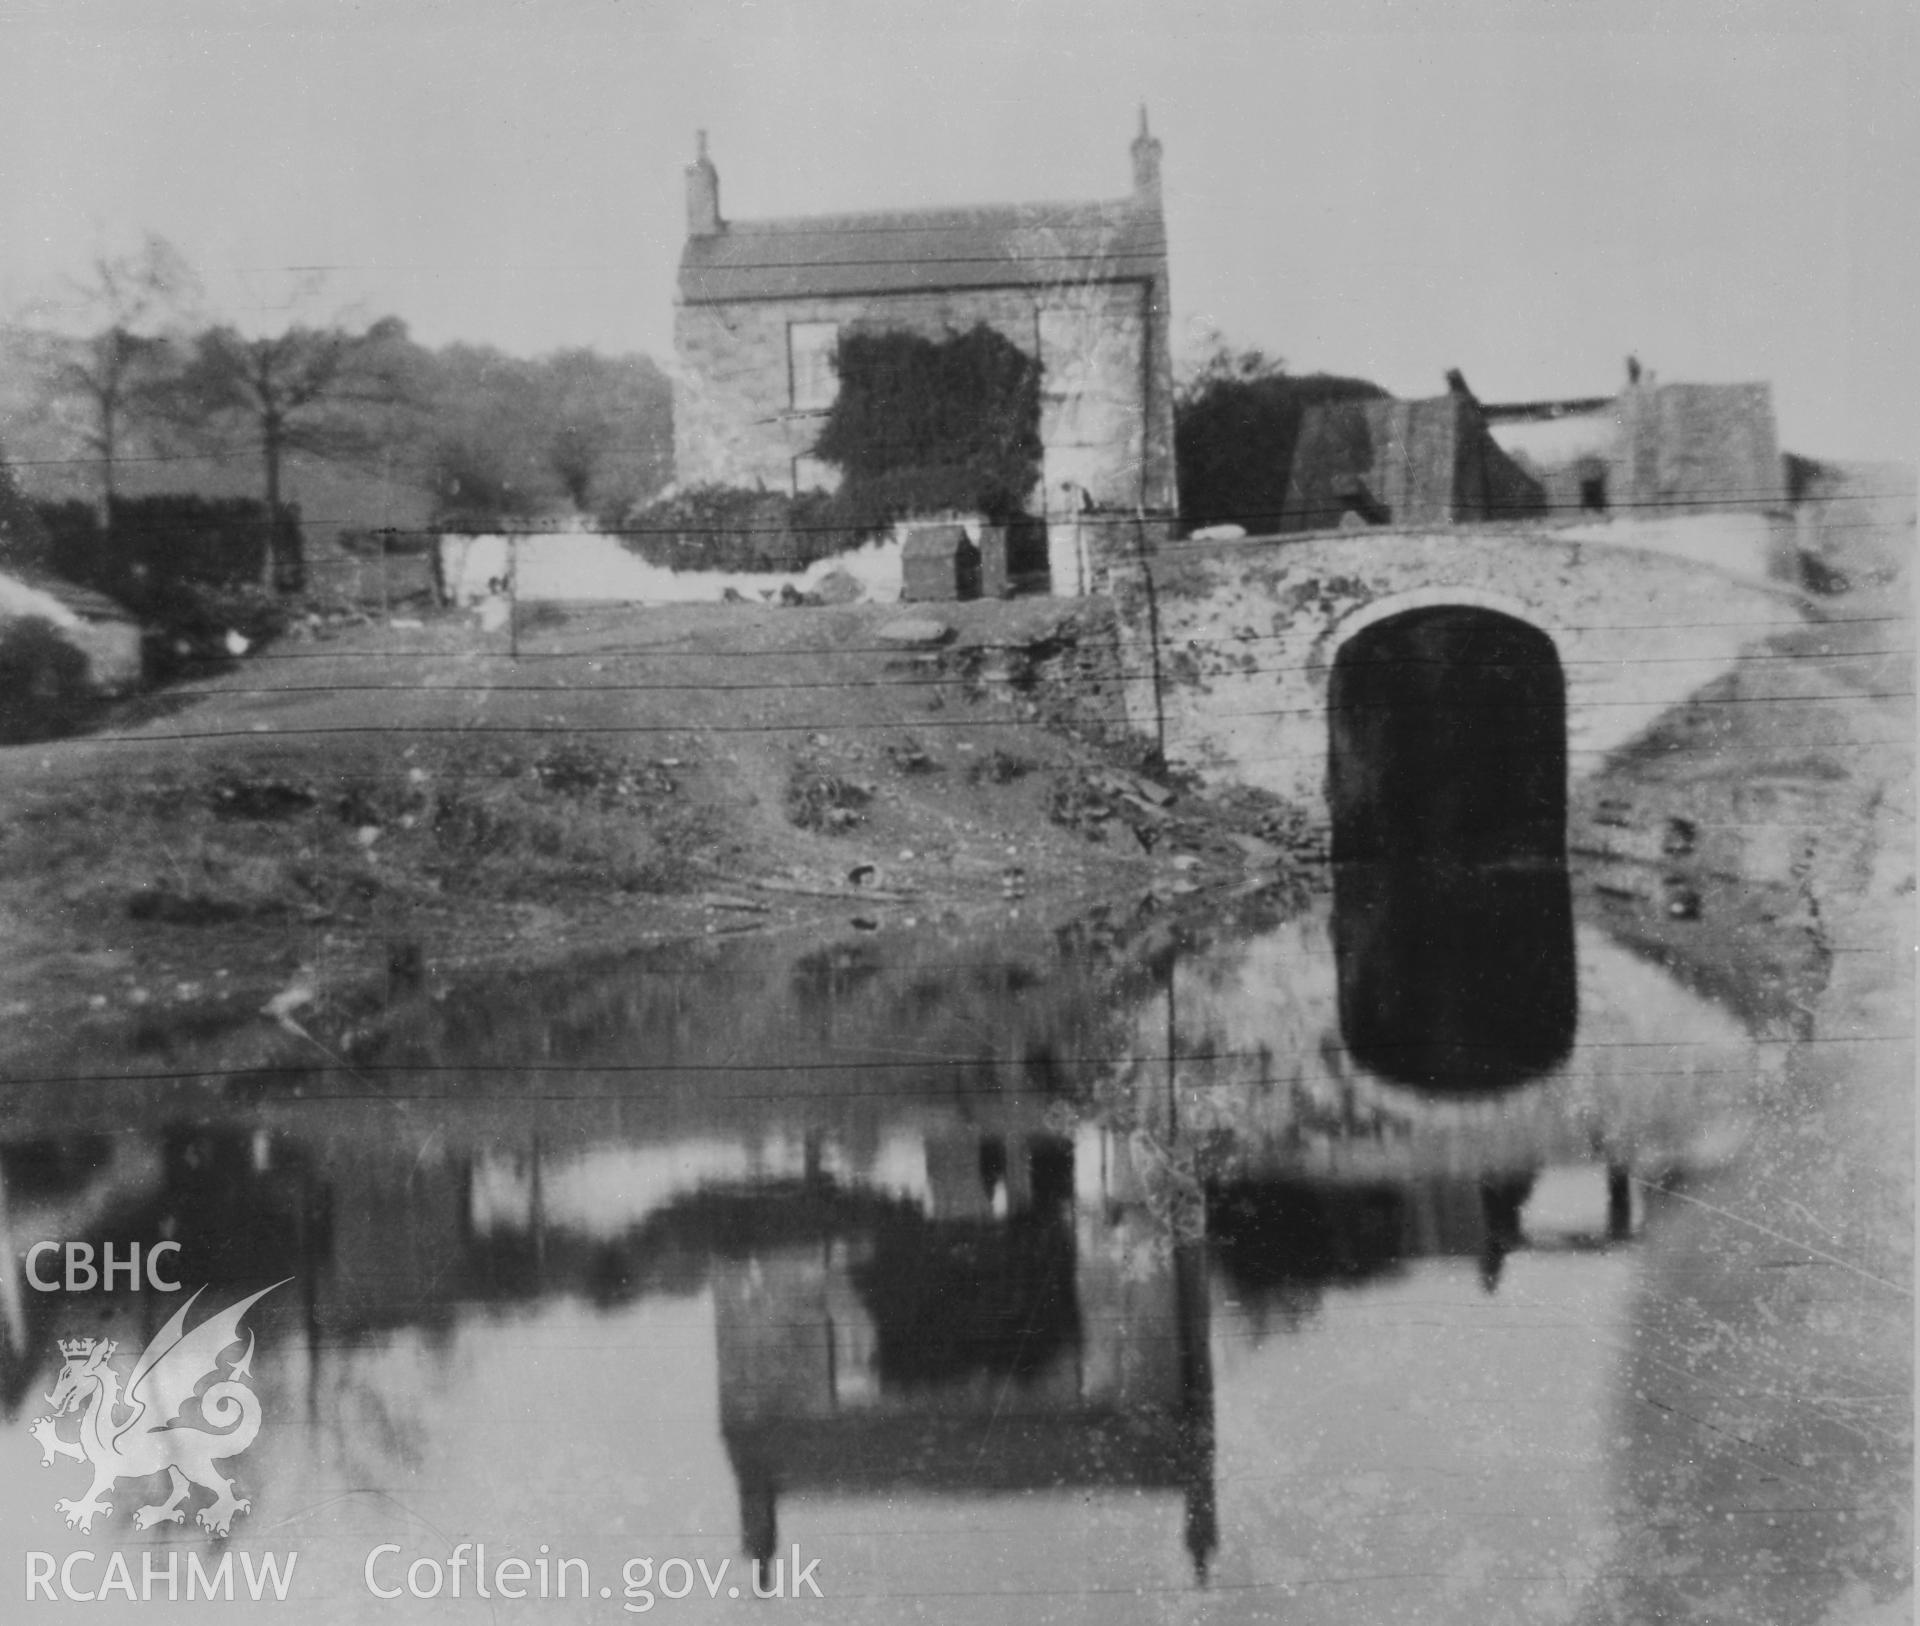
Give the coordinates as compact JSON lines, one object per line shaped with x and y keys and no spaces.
{"x":72,"y":1347}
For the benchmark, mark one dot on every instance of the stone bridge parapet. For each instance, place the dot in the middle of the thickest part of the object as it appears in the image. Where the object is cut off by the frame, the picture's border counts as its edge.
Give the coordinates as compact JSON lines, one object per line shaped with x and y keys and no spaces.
{"x":1228,"y":647}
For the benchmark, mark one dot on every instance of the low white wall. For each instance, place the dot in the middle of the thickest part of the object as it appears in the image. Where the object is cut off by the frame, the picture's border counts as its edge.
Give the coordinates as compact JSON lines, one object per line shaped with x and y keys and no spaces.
{"x":586,"y":566}
{"x":1755,"y":546}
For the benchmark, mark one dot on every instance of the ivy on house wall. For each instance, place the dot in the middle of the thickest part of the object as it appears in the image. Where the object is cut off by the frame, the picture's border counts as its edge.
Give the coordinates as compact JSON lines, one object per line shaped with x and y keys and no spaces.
{"x":932,"y":425}
{"x":1236,"y":428}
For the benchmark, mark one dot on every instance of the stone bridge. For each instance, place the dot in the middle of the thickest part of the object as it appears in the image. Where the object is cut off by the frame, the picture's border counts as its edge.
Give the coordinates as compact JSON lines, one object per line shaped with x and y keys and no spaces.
{"x":1230,"y":649}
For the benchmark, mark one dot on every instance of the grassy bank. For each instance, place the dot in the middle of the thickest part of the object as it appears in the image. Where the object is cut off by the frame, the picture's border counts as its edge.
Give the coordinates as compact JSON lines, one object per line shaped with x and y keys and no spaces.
{"x":343,"y":814}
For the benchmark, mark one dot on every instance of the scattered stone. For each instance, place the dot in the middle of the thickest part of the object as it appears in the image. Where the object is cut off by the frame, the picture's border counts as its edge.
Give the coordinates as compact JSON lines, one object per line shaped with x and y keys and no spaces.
{"x":1683,"y":902}
{"x":838,"y":587}
{"x":722,"y":900}
{"x":910,"y":758}
{"x":863,"y":923}
{"x":1256,"y":850}
{"x":915,"y":632}
{"x":300,"y":992}
{"x":1158,"y":795}
{"x":998,"y":766}
{"x":863,"y":875}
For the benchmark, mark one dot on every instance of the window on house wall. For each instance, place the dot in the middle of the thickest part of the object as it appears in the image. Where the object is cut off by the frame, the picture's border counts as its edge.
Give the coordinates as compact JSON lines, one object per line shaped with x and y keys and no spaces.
{"x":810,"y":348}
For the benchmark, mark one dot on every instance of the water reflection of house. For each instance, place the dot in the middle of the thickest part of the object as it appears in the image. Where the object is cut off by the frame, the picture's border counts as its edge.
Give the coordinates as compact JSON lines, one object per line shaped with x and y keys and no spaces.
{"x":242,"y":1209}
{"x":1034,"y":1331}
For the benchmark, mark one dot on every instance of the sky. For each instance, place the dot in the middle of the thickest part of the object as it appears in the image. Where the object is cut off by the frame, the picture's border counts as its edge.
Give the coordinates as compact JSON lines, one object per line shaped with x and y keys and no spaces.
{"x":1527,"y":190}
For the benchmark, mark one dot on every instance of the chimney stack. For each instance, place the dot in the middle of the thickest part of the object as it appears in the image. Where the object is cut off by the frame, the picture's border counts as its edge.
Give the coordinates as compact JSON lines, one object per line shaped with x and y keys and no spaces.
{"x":703,"y":194}
{"x":1146,"y":165}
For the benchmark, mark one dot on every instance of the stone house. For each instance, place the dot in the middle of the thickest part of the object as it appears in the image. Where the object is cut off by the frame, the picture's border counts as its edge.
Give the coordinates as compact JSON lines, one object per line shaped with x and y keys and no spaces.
{"x":1081,"y":287}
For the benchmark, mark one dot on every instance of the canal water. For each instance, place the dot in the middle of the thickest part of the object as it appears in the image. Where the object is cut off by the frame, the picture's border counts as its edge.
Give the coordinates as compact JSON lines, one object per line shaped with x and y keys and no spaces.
{"x":1281,"y":1263}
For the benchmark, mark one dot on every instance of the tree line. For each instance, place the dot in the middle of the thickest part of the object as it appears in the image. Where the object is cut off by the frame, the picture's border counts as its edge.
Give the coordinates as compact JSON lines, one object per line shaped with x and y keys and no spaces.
{"x":487,"y":439}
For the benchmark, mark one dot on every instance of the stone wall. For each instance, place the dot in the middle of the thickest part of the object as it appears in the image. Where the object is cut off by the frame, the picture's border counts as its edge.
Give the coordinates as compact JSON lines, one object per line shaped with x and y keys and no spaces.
{"x":1106,"y":384}
{"x":1697,"y":446}
{"x":1248,"y":632}
{"x":1426,"y":462}
{"x":1701,"y":444}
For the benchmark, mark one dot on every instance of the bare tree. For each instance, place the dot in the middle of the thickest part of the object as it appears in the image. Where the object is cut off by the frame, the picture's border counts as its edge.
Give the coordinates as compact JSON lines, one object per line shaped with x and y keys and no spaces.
{"x":115,"y":374}
{"x":584,"y":419}
{"x":325,"y":392}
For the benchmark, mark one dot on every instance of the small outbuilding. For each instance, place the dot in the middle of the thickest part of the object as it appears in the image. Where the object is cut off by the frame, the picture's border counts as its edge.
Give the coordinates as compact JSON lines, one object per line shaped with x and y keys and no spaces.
{"x":938,"y":562}
{"x":104,"y":635}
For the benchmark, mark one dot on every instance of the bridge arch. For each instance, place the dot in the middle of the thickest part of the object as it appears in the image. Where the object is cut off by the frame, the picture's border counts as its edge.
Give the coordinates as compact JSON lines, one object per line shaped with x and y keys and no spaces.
{"x":1447,"y":739}
{"x":1447,"y":791}
{"x":1385,"y":608}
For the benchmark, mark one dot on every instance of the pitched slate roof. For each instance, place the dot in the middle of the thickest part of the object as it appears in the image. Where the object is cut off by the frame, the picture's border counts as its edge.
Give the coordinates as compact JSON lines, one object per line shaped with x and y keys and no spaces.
{"x":923,"y":250}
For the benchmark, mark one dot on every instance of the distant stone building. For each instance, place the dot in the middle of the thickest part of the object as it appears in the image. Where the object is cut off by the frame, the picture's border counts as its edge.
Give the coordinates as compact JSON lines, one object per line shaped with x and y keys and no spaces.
{"x":1697,"y":447}
{"x":1082,"y":287}
{"x":1385,"y":462}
